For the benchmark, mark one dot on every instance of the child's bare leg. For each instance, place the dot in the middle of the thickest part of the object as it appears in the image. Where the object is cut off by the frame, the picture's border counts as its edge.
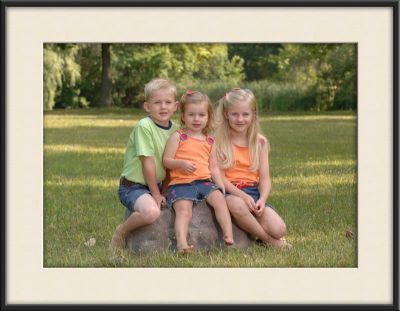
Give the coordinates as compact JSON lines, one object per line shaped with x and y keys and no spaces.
{"x":183,"y":216}
{"x":272,"y":223}
{"x":145,"y":212}
{"x":217,"y":201}
{"x":248,"y":222}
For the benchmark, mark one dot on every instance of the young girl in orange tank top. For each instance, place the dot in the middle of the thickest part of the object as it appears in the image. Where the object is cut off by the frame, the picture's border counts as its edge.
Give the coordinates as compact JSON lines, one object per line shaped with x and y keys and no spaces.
{"x":194,"y":175}
{"x":242,"y":154}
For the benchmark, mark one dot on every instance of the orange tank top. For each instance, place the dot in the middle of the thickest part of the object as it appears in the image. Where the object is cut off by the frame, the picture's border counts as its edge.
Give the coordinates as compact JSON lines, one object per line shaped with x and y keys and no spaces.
{"x":240,"y":171}
{"x":194,"y":150}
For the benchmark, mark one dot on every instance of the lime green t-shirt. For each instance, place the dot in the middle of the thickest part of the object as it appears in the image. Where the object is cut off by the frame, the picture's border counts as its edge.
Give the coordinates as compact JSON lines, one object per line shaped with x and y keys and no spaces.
{"x":146,"y":139}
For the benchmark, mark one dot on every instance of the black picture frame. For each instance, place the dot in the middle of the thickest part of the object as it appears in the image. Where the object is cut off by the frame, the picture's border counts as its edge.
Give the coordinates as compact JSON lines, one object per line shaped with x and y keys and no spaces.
{"x":394,"y":5}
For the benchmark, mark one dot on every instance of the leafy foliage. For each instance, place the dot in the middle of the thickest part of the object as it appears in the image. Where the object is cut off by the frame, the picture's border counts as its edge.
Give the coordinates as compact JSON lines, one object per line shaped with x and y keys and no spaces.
{"x":61,"y":74}
{"x":307,"y":77}
{"x":328,"y":71}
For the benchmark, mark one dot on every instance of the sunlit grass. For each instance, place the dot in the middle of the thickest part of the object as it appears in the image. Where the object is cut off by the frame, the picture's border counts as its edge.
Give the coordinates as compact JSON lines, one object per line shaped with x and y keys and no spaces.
{"x":313,"y":169}
{"x":307,"y":118}
{"x":56,"y":148}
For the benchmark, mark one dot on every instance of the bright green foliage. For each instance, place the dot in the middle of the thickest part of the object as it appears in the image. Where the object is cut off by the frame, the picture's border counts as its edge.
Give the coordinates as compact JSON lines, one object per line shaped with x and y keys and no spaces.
{"x":326,"y":72}
{"x":135,"y":65}
{"x":52,"y":76}
{"x":61,"y":74}
{"x":307,"y":77}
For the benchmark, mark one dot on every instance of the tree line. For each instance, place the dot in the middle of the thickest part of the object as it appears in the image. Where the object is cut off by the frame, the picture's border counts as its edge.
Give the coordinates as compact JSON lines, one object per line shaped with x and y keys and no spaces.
{"x":309,"y":77}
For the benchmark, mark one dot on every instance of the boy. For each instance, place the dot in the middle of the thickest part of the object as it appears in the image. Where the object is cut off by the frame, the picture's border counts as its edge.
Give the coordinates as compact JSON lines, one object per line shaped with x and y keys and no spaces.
{"x":143,"y":172}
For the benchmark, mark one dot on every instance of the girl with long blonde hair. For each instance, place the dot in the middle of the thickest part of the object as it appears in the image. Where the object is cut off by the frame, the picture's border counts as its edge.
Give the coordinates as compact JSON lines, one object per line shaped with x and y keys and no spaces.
{"x":243,"y":157}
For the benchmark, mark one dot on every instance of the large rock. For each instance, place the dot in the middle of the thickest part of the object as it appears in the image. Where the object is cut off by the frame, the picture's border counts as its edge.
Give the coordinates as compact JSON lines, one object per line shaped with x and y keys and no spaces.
{"x":204,"y":232}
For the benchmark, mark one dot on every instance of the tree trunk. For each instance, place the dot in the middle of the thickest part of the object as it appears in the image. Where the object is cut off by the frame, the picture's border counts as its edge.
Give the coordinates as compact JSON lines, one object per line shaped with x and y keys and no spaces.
{"x":106,"y":82}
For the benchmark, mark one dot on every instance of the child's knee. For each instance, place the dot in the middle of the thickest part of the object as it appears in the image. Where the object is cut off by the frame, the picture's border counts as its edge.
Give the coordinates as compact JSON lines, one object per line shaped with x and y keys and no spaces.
{"x":217,"y":198}
{"x":280,"y":230}
{"x":184,"y":213}
{"x":150,"y":214}
{"x":238,"y":210}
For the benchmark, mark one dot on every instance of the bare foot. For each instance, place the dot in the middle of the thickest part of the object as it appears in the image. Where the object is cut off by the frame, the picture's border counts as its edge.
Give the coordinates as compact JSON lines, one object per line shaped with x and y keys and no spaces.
{"x":118,"y":239}
{"x":281,"y":243}
{"x":228,"y":240}
{"x":185,"y":250}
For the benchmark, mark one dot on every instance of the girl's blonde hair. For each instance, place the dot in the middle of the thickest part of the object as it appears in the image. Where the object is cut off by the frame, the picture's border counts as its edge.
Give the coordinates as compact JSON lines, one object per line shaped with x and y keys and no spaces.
{"x":195,"y":97}
{"x":223,"y":140}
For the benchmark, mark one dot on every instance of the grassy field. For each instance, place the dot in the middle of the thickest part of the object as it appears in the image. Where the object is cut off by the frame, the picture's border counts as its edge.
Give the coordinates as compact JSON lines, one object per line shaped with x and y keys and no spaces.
{"x":314,"y":177}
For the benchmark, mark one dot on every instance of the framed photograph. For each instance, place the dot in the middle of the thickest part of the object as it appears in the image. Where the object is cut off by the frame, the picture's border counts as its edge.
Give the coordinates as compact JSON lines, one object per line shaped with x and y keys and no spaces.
{"x":33,"y":278}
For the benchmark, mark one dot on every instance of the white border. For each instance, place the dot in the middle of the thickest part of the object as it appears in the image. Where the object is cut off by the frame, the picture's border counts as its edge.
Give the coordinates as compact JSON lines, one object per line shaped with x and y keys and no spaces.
{"x":28,"y":282}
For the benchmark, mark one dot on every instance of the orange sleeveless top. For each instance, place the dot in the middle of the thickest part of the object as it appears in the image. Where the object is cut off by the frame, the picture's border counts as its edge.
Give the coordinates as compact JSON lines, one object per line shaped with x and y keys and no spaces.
{"x":194,"y":150}
{"x":240,"y":172}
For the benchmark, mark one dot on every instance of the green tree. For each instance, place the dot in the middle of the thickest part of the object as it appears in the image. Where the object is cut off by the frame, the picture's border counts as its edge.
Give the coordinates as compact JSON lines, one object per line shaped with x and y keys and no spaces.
{"x":90,"y":61}
{"x":135,"y":64}
{"x":256,"y":56}
{"x":106,"y":76}
{"x":60,"y":70}
{"x":327,"y":70}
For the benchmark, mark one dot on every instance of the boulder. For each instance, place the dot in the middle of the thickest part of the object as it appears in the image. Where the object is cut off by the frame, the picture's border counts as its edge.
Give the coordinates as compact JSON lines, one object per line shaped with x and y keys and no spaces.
{"x":204,"y":232}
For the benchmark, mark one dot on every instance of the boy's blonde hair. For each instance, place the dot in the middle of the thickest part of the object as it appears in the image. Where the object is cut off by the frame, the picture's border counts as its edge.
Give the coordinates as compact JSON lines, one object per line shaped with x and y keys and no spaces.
{"x":223,"y":144}
{"x":195,"y":97}
{"x":156,"y":85}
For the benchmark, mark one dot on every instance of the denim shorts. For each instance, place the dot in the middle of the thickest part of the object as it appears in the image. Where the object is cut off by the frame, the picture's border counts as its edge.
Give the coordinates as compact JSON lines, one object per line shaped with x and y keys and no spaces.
{"x":196,"y":191}
{"x":129,"y":194}
{"x":254,"y":193}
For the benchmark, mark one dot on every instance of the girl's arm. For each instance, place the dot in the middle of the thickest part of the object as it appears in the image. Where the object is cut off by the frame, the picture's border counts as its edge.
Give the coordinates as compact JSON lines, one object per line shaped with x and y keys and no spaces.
{"x":169,"y":155}
{"x":232,"y":189}
{"x":265,"y":180}
{"x":215,"y":172}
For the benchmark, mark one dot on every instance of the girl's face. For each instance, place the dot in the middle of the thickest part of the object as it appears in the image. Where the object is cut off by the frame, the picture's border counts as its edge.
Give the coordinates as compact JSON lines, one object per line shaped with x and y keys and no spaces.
{"x":240,"y":116}
{"x":195,"y":116}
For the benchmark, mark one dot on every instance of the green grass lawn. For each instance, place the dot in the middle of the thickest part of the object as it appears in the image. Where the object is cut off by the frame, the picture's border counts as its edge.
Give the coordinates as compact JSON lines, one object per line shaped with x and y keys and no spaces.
{"x":314,"y":181}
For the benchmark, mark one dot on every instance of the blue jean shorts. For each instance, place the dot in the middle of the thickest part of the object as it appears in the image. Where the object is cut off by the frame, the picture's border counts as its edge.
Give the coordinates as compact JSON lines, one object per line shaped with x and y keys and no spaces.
{"x":129,"y":194}
{"x":254,"y":193}
{"x":196,"y":191}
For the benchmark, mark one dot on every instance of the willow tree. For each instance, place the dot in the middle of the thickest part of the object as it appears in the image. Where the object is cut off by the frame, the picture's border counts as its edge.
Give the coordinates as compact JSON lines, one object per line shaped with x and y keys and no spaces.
{"x":60,"y":70}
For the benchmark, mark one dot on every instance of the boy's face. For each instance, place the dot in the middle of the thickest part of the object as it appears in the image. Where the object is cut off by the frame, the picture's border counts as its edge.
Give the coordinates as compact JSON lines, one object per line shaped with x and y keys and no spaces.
{"x":161,"y":106}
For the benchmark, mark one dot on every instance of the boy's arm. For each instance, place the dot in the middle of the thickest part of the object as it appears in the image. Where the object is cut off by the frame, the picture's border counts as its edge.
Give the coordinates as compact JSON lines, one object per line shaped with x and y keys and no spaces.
{"x":149,"y":172}
{"x":165,"y":183}
{"x":169,"y":154}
